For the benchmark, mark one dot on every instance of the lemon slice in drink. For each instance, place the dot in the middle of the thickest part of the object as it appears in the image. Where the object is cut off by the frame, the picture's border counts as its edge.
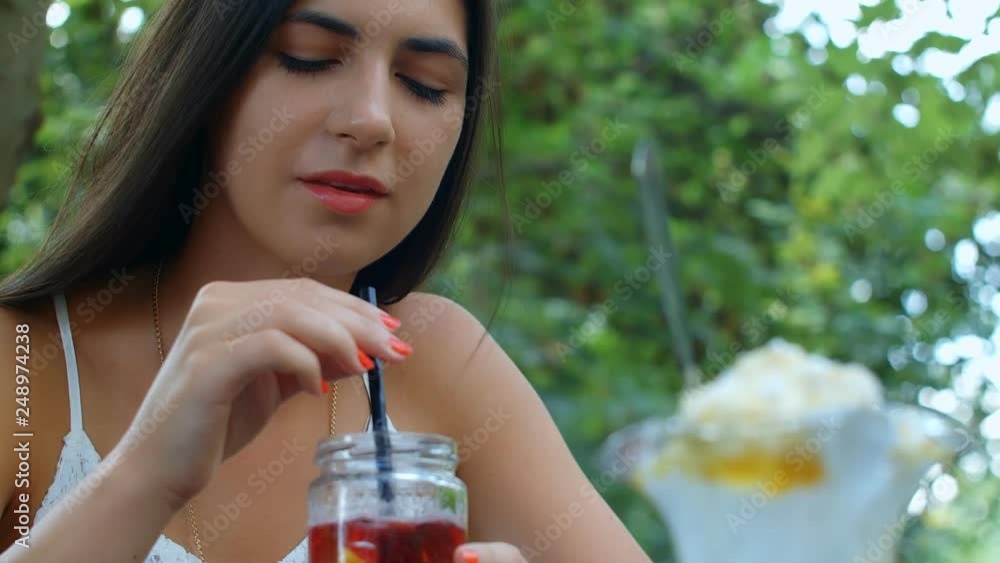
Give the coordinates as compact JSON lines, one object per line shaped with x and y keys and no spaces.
{"x":351,"y":557}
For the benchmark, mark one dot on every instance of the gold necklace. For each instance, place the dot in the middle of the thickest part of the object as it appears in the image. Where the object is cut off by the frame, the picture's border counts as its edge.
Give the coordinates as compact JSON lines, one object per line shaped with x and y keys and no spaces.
{"x":159,"y":345}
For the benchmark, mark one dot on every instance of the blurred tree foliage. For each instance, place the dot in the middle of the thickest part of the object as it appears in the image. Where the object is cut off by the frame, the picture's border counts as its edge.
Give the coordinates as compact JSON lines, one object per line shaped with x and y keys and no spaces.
{"x":803,"y":208}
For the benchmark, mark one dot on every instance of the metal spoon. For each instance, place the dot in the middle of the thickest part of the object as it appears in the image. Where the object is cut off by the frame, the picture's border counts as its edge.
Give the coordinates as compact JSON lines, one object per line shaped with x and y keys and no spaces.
{"x":656,"y":222}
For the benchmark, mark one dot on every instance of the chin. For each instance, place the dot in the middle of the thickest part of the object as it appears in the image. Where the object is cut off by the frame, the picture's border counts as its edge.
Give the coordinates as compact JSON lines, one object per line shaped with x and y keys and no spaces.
{"x":322,"y":254}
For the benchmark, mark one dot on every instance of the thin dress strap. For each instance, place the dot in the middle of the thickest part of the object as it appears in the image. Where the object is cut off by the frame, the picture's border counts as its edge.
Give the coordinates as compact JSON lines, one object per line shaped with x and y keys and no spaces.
{"x":368,"y":425}
{"x":72,"y":376}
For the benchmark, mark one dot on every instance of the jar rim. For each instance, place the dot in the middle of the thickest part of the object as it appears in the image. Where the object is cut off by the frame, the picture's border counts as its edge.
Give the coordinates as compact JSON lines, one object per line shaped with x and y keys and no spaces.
{"x":362,"y":445}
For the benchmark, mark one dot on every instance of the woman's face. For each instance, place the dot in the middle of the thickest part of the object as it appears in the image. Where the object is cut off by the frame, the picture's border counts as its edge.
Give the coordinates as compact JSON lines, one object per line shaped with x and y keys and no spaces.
{"x":355,"y":89}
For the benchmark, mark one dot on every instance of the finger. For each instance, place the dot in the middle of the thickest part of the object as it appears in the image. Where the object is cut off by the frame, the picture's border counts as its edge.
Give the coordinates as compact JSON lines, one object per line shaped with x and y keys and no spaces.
{"x":270,"y":350}
{"x":324,"y":335}
{"x":488,"y":553}
{"x":373,"y":336}
{"x":310,"y":288}
{"x":289,"y":386}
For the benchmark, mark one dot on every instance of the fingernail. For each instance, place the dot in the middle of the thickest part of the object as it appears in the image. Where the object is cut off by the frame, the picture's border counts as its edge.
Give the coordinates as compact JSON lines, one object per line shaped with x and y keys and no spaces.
{"x":391,"y":322}
{"x":469,"y":556}
{"x":325,"y":386}
{"x":400,"y":347}
{"x":365,"y":360}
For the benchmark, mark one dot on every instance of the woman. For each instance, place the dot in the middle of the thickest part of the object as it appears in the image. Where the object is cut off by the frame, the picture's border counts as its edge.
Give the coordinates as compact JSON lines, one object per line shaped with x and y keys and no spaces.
{"x":258,"y":162}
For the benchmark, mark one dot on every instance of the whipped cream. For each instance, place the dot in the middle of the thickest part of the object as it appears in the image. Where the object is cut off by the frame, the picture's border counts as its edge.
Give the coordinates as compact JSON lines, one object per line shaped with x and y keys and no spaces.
{"x":779,"y":410}
{"x":779,"y":383}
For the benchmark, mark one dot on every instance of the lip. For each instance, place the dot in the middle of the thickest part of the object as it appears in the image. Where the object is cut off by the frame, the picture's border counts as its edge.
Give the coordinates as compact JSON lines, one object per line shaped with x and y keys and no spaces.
{"x":343,"y":177}
{"x":343,"y":201}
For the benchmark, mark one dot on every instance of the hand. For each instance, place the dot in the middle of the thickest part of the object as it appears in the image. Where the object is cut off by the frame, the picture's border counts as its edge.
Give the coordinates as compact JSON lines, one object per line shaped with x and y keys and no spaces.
{"x":244,"y":348}
{"x":489,"y":553}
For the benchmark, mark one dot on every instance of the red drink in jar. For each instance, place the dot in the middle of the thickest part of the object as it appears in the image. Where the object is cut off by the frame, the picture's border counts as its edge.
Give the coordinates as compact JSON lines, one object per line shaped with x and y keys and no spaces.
{"x":367,"y":540}
{"x":359,"y":512}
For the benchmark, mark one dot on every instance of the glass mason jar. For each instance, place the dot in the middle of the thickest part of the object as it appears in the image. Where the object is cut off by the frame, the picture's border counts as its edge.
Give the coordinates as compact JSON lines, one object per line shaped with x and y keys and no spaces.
{"x":361,"y":511}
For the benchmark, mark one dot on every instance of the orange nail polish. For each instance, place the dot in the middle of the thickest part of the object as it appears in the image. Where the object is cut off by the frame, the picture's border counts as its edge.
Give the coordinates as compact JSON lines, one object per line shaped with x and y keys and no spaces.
{"x":400,"y":347}
{"x":391,"y":322}
{"x":469,"y":556}
{"x":365,"y":360}
{"x":325,"y":385}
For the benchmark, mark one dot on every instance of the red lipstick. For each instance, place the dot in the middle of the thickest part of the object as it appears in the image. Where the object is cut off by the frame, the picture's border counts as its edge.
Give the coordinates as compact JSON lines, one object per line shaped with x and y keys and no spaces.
{"x":345,"y":192}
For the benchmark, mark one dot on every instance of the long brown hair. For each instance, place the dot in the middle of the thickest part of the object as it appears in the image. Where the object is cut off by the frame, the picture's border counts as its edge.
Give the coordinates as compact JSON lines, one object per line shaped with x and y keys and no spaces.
{"x":148,"y":151}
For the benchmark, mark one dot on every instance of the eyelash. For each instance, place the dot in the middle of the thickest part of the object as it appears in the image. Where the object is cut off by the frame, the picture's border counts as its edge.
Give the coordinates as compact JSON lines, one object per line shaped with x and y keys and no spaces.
{"x":294,"y":65}
{"x":300,"y":66}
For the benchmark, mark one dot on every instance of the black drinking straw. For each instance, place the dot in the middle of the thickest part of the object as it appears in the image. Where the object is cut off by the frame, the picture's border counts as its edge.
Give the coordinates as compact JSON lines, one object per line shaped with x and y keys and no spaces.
{"x":380,"y":425}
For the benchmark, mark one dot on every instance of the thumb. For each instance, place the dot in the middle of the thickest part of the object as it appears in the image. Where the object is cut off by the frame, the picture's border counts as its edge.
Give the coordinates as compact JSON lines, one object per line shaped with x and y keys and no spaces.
{"x":488,"y":553}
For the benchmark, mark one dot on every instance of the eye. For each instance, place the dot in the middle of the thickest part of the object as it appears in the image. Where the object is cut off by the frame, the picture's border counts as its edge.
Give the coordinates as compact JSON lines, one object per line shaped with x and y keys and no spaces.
{"x":424,"y":92}
{"x":301,"y":66}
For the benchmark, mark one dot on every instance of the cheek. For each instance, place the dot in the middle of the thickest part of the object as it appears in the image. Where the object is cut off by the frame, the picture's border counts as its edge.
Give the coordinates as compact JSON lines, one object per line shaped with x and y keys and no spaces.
{"x":256,"y":142}
{"x":424,"y":157}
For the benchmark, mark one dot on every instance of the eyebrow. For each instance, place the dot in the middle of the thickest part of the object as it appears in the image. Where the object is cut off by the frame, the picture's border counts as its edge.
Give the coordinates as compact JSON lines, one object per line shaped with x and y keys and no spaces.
{"x":329,"y":23}
{"x":438,"y":45}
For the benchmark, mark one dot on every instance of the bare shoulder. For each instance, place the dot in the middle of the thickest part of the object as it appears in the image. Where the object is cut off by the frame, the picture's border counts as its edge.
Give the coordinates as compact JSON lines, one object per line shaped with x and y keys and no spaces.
{"x":15,"y":348}
{"x":17,"y":328}
{"x":444,"y":334}
{"x":9,"y":320}
{"x":461,"y":383}
{"x":31,"y":354}
{"x":430,"y":318}
{"x":456,"y":364}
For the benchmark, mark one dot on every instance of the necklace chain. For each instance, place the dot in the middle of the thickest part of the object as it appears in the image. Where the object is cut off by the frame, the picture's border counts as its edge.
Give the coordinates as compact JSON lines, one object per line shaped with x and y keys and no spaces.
{"x":159,"y":346}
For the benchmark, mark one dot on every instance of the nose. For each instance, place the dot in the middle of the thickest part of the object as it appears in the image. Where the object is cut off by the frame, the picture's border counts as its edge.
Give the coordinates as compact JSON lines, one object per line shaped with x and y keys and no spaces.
{"x":362,"y":114}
